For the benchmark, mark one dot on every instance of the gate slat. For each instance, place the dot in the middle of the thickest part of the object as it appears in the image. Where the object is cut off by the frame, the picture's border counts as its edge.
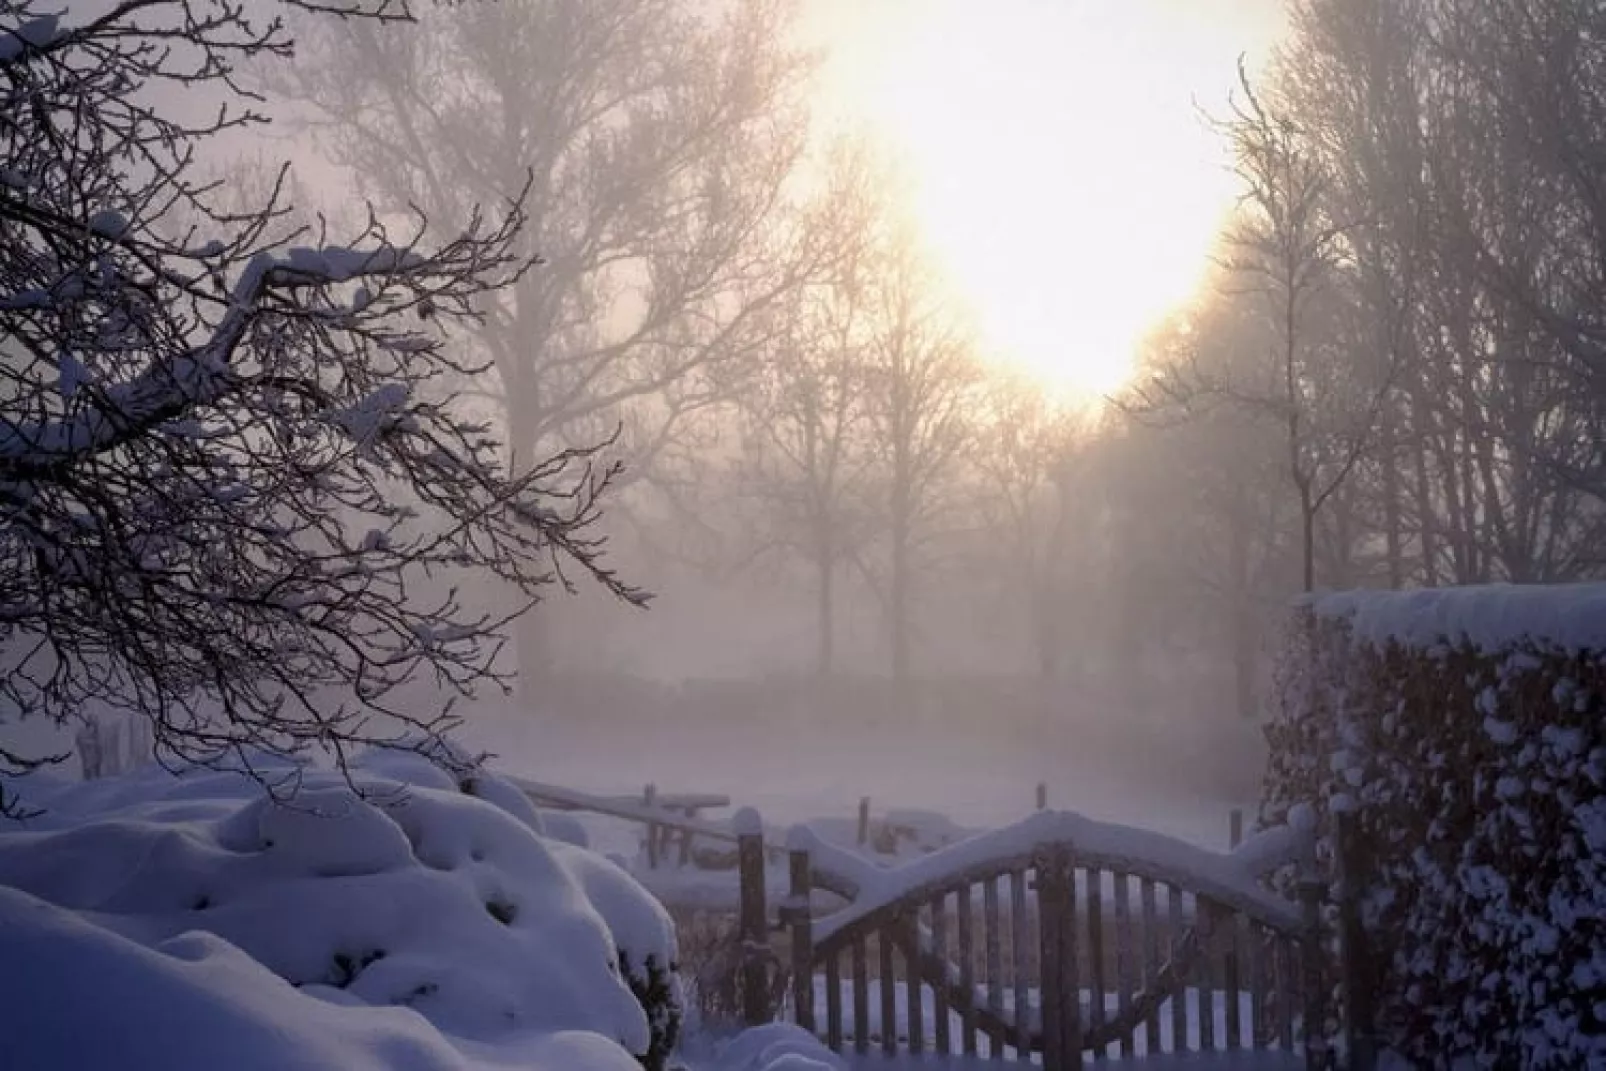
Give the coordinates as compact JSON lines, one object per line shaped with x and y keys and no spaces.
{"x":914,"y":988}
{"x":1070,"y":952}
{"x":967,"y":972}
{"x":1207,"y":985}
{"x":888,"y":989}
{"x":1258,"y":944}
{"x":833,"y":1001}
{"x":1179,"y":1002}
{"x":861,"y":997}
{"x":1284,"y":965}
{"x":1095,"y":951}
{"x":1151,"y":960}
{"x":992,"y":920}
{"x":1123,"y":958}
{"x":1022,"y":955}
{"x":939,"y":945}
{"x":1051,"y":920}
{"x":1230,"y":982}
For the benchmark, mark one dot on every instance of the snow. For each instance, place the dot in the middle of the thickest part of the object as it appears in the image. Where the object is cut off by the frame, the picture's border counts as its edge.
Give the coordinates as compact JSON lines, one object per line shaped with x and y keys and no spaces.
{"x":71,"y":374}
{"x":203,"y":376}
{"x":376,"y":412}
{"x":1501,"y":732}
{"x":777,"y":1047}
{"x":109,"y":223}
{"x":747,"y":823}
{"x":420,"y":927}
{"x":1571,"y":616}
{"x":340,"y":264}
{"x":86,"y":996}
{"x":37,"y":32}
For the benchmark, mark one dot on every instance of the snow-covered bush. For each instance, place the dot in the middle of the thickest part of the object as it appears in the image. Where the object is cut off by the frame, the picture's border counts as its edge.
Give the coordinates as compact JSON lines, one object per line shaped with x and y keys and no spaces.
{"x":1466,"y":732}
{"x":419,"y":896}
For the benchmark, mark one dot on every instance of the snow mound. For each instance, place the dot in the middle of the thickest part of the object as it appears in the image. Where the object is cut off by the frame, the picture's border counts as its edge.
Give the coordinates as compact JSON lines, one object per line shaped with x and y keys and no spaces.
{"x":89,"y":997}
{"x":778,"y":1047}
{"x":421,"y":909}
{"x":1493,"y":616}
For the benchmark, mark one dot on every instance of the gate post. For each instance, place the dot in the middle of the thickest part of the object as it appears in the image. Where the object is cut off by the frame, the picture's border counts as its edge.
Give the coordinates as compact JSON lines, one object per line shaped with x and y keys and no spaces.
{"x":1360,"y":1042}
{"x":1060,"y":992}
{"x":1312,"y":894}
{"x":795,"y":912}
{"x":752,"y":919}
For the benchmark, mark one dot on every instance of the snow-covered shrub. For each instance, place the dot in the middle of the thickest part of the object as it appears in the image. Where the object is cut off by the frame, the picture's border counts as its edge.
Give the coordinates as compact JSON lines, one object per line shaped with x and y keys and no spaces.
{"x":419,"y":897}
{"x":1466,"y":732}
{"x":645,"y":938}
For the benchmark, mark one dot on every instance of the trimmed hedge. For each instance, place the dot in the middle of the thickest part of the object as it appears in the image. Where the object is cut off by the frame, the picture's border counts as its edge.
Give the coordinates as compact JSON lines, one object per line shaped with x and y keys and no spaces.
{"x":1475,"y":765}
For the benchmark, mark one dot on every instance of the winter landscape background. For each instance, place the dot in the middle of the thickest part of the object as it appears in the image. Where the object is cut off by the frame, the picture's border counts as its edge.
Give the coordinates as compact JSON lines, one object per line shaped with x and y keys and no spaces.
{"x":802,"y":402}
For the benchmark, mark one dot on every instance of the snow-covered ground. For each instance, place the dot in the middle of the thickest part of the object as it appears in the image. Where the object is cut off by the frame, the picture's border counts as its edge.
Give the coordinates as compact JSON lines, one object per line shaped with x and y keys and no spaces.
{"x":348,"y":934}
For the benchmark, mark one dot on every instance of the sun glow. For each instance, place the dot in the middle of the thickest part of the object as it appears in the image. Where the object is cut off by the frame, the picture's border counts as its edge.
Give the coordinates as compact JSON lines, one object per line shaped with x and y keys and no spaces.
{"x":1058,"y":162}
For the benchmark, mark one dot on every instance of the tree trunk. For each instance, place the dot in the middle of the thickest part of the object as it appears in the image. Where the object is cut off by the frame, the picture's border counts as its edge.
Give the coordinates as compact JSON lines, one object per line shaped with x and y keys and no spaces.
{"x":1045,"y":628}
{"x":898,"y":604}
{"x":1307,"y":537}
{"x":1243,"y":623}
{"x":825,"y":650}
{"x":1393,"y":554}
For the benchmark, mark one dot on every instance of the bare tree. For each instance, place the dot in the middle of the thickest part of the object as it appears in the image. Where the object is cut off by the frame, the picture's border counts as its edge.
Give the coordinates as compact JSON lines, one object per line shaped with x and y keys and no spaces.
{"x":1029,"y":454}
{"x":1287,"y":251}
{"x":209,"y":430}
{"x":803,"y":459}
{"x":920,"y":379}
{"x":660,"y":138}
{"x":1459,"y":138}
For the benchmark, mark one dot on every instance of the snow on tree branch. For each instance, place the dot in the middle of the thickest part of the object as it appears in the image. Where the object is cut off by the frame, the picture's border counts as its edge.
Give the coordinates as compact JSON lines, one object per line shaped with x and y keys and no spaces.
{"x":236,"y":490}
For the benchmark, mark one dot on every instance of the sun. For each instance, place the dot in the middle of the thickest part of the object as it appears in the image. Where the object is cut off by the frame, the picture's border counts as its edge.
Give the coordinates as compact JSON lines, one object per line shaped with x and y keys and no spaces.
{"x":1058,"y":162}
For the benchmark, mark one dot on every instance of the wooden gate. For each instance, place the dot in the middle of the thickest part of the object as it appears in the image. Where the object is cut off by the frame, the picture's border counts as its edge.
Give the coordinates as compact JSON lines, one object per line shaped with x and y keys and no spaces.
{"x":1060,"y":936}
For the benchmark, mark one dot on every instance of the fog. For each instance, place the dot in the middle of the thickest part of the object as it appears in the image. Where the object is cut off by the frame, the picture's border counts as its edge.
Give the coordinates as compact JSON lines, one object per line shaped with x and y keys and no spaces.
{"x":893,"y":548}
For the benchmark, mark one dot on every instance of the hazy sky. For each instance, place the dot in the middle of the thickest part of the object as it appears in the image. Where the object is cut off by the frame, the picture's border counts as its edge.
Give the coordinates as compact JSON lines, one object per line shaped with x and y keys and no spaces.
{"x":1061,"y":168}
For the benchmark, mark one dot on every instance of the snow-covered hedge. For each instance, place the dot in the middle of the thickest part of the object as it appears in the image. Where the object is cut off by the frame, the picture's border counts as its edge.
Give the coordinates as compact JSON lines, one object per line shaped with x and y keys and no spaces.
{"x":435,"y":912}
{"x":1466,"y":731}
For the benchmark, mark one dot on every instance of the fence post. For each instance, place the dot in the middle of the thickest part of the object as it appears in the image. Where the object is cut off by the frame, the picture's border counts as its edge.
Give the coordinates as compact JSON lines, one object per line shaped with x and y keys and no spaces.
{"x":1235,"y":823}
{"x":649,"y":800}
{"x":1359,"y":1038}
{"x":91,"y":748}
{"x":1042,"y":796}
{"x":796,"y":913}
{"x":752,"y":919}
{"x":1312,"y":895}
{"x":864,"y":820}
